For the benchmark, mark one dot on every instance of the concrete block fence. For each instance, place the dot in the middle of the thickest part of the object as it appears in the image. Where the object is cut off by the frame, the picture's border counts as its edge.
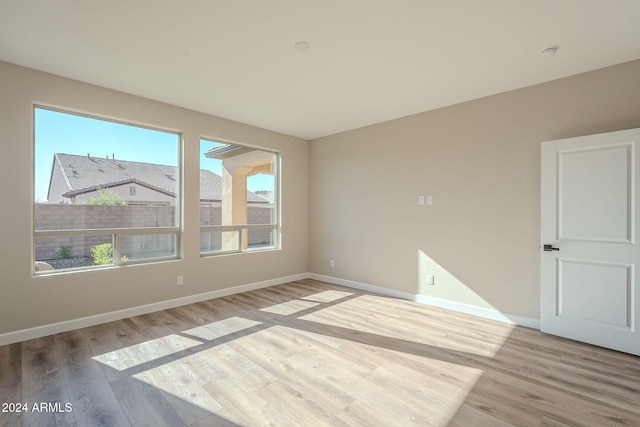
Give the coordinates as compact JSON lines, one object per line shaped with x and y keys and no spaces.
{"x":63,"y":217}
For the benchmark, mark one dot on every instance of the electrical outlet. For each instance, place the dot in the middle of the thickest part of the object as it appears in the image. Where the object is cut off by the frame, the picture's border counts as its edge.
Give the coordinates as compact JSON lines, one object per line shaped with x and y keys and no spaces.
{"x":430,"y":279}
{"x":332,"y":263}
{"x":180,"y":281}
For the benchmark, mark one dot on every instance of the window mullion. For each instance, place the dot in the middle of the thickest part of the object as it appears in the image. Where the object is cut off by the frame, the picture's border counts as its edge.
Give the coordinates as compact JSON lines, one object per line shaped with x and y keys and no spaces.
{"x":117,"y":253}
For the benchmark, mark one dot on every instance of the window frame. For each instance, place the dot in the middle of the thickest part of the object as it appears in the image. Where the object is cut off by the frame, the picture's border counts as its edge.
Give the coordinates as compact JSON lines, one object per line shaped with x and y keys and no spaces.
{"x":115,"y":233}
{"x":275,"y":227}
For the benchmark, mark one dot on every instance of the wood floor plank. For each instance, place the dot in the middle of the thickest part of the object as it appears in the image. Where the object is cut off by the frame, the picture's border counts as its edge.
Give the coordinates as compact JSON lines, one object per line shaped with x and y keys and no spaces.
{"x":412,"y":396}
{"x":11,"y":395}
{"x":10,"y":365}
{"x":245,"y":371}
{"x":297,"y":409}
{"x":446,"y":376}
{"x":313,"y":353}
{"x":217,"y":421}
{"x":144,"y":404}
{"x":43,"y":382}
{"x":92,"y":397}
{"x":240,"y":404}
{"x":360,"y":413}
{"x":466,"y":416}
{"x":616,"y":389}
{"x":320,"y":379}
{"x":514,"y":399}
{"x":10,"y":383}
{"x":189,"y":413}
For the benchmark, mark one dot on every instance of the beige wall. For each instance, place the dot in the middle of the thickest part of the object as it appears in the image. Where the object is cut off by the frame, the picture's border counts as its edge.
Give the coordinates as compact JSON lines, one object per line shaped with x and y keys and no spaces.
{"x":480,"y":161}
{"x":27,"y":301}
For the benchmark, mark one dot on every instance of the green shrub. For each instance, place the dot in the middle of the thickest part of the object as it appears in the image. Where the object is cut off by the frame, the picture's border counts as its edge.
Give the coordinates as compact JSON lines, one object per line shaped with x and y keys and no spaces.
{"x":65,"y":252}
{"x":103,"y":254}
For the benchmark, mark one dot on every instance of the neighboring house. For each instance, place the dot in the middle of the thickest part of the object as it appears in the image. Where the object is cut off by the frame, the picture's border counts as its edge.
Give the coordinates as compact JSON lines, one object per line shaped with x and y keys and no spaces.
{"x":76,"y":179}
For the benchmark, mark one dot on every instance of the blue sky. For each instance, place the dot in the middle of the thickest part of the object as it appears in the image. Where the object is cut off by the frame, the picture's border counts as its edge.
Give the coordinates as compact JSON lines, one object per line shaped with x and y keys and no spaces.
{"x":57,"y":132}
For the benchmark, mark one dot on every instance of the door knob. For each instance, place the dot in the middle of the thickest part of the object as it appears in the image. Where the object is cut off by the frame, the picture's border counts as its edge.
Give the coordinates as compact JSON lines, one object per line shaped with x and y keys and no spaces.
{"x":549,"y":248}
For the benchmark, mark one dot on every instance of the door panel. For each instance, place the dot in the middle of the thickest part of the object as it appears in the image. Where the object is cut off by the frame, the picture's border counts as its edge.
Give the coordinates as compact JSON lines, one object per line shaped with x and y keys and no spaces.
{"x":581,"y":283}
{"x":589,"y":201}
{"x":595,"y":201}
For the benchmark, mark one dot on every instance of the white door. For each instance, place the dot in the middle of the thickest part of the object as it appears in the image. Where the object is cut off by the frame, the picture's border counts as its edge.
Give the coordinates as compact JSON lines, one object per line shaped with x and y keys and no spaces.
{"x":588,"y":279}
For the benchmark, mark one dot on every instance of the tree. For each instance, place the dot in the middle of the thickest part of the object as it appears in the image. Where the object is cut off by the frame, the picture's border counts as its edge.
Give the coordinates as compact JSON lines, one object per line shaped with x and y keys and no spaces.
{"x":107,"y":198}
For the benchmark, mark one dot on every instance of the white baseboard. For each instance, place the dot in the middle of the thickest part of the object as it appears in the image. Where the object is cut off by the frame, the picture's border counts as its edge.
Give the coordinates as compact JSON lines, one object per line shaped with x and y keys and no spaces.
{"x":487,"y":313}
{"x":83,"y":322}
{"x":362,"y":286}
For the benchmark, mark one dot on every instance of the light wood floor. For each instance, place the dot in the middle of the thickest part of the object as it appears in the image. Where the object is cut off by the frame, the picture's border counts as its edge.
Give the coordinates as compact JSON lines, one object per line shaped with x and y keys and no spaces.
{"x":307,"y":354}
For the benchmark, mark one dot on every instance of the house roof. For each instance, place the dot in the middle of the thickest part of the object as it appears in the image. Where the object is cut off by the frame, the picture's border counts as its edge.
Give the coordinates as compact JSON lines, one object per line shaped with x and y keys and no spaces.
{"x":85,"y":173}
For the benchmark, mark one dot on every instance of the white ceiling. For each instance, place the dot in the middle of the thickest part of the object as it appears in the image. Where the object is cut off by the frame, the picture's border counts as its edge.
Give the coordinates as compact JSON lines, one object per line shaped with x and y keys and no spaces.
{"x":370,"y":60}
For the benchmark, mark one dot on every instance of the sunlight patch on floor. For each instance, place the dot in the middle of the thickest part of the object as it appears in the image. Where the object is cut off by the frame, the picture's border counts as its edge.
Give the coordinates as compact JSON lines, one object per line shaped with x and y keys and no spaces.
{"x":147,"y":351}
{"x":402,"y":356}
{"x":290,"y":307}
{"x":185,"y":378}
{"x":221,"y":328}
{"x":393,"y":325}
{"x":327,"y":296}
{"x":263,"y":373}
{"x":195,"y":378}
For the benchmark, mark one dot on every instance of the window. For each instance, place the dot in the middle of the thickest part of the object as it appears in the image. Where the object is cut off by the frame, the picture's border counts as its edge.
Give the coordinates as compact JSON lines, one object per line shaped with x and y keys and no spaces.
{"x":89,"y":175}
{"x":238,"y":198}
